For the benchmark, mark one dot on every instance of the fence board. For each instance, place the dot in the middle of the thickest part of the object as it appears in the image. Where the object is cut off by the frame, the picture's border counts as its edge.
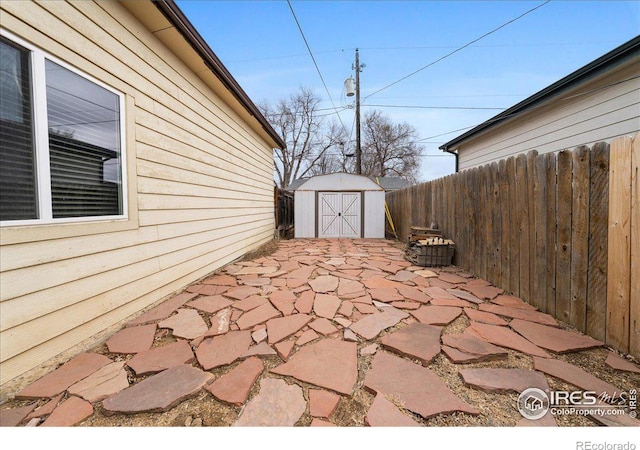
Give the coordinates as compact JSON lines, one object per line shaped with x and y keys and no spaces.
{"x":505,"y":230}
{"x":539,"y":299}
{"x":531,"y":157}
{"x":522,"y":192}
{"x":634,"y":291}
{"x":552,"y":204}
{"x":514,"y":238}
{"x":563,"y":252}
{"x":481,"y":222}
{"x":619,"y":244}
{"x":579,"y":238}
{"x":598,"y":223}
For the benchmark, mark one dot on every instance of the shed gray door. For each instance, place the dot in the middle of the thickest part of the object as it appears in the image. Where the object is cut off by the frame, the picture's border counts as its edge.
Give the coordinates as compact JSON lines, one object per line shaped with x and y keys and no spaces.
{"x":339,"y":214}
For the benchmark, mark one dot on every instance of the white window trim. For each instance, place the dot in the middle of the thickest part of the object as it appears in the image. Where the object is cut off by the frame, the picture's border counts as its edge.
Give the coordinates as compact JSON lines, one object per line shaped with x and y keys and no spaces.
{"x":41,"y":140}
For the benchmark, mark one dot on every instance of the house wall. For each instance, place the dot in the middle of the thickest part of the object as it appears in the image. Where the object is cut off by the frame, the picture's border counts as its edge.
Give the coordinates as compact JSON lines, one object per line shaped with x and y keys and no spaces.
{"x":585,"y":118}
{"x":200,"y":190}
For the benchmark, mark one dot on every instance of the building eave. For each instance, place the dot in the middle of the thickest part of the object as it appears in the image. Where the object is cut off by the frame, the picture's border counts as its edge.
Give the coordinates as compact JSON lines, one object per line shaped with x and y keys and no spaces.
{"x":615,"y":57}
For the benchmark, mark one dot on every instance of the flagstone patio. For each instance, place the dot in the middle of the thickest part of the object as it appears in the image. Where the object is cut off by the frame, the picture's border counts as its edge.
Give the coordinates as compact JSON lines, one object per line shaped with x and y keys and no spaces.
{"x":321,"y":333}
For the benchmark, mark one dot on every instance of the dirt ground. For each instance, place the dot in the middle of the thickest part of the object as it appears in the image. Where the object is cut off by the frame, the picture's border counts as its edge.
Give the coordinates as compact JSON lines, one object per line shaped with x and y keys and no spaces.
{"x":496,"y":409}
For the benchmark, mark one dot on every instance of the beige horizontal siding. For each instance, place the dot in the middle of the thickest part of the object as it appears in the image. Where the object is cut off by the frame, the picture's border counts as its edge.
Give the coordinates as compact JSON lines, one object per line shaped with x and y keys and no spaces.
{"x":203,"y":184}
{"x":592,"y":113}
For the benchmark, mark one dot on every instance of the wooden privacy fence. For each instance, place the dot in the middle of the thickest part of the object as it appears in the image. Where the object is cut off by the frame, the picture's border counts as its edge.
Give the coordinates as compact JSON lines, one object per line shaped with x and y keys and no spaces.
{"x":559,"y":230}
{"x":283,"y":202}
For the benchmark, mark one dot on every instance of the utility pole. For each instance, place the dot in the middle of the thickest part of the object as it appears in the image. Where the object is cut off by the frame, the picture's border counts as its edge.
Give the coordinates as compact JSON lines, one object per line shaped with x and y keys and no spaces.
{"x":358,"y":68}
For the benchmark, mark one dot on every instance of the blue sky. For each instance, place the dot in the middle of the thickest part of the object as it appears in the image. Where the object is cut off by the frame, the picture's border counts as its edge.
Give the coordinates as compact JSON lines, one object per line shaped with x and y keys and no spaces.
{"x":261,"y":45}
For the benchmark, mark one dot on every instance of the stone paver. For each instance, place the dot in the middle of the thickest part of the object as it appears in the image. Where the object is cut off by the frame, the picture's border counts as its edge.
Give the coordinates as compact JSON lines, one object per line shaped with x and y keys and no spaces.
{"x":323,"y":326}
{"x":283,"y":327}
{"x":210,"y":304}
{"x":304,"y":303}
{"x":306,"y":337}
{"x":324,"y":284}
{"x":241,"y":292}
{"x":322,"y":403}
{"x":278,"y":404}
{"x":261,"y":349}
{"x":221,"y":280}
{"x":250,"y":303}
{"x":186,"y":323}
{"x":45,"y":409}
{"x":504,"y":337}
{"x":159,"y":392}
{"x":383,"y":413}
{"x":554,"y":339}
{"x":414,"y":294}
{"x":326,"y":305}
{"x":70,"y":412}
{"x":132,"y":339}
{"x":222,"y":350}
{"x":419,"y":389}
{"x":483,"y":292}
{"x":234,"y":386}
{"x":616,"y":362}
{"x":284,"y":348}
{"x":575,"y":376}
{"x":106,"y":381}
{"x":417,"y":341}
{"x":12,"y":417}
{"x":372,"y":325}
{"x":464,"y":295}
{"x":161,"y":358}
{"x":504,"y":380}
{"x":385,"y":294}
{"x":329,"y":363}
{"x":59,"y":380}
{"x":163,"y":310}
{"x":436,"y":315}
{"x":473,"y":348}
{"x":283,"y":300}
{"x":257,"y":316}
{"x":513,"y":302}
{"x":519,"y":313}
{"x":484,"y":317}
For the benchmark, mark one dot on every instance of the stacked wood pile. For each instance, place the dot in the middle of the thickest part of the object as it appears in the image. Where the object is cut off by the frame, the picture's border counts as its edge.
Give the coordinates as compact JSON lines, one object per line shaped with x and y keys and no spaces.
{"x":426,"y":247}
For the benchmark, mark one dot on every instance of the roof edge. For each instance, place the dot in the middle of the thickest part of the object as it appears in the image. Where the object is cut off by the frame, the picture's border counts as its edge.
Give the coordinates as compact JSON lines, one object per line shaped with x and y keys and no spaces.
{"x":177,"y":18}
{"x":617,"y":55}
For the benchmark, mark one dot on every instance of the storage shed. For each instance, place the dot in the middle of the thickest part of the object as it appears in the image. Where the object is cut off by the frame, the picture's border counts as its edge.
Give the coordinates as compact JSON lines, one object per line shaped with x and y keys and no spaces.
{"x":339,"y":205}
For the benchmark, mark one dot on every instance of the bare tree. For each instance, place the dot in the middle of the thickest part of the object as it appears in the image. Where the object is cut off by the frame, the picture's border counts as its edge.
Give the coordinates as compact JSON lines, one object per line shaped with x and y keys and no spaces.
{"x":301,"y":126}
{"x":388,"y":148}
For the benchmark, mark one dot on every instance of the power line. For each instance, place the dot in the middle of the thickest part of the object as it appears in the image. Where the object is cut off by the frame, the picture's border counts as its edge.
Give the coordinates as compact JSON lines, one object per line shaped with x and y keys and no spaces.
{"x":432,"y":107}
{"x":315,"y":63}
{"x":458,"y":49}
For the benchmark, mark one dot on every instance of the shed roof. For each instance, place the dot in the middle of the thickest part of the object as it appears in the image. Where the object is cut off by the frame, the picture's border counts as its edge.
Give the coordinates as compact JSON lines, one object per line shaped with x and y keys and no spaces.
{"x":615,"y":57}
{"x":387,"y":183}
{"x":339,"y":182}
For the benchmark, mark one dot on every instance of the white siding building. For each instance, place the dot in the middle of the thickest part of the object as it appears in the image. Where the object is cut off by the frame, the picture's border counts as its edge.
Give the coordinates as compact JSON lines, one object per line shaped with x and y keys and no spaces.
{"x":597,"y":102}
{"x":150,"y":169}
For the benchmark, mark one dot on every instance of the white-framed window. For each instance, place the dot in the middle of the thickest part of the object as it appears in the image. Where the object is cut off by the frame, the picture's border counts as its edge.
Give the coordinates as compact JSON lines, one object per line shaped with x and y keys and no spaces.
{"x":62,"y":152}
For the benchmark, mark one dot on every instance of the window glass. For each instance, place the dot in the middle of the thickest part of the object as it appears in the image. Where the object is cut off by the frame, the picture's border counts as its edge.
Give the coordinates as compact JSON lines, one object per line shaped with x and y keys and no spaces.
{"x":84,"y":145}
{"x":18,"y":200}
